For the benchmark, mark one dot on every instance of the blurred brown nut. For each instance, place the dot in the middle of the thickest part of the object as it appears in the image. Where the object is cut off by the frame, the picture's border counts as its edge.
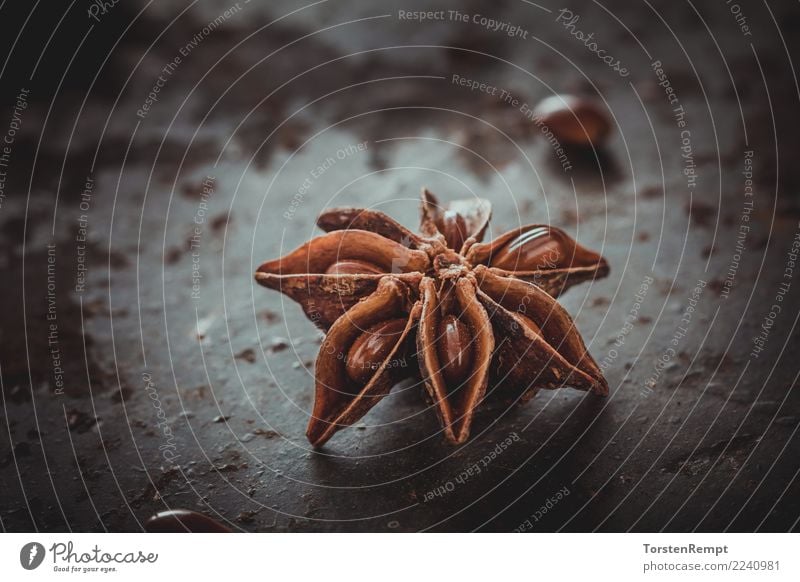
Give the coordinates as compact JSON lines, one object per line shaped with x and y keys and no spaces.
{"x":183,"y":520}
{"x":575,"y":121}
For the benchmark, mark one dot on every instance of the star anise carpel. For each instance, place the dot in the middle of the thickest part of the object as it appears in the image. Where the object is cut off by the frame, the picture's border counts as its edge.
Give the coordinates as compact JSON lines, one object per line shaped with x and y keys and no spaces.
{"x":467,"y":317}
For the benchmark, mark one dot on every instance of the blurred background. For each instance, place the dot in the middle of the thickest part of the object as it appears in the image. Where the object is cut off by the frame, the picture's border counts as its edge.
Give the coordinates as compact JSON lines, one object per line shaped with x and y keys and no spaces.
{"x":154,"y":153}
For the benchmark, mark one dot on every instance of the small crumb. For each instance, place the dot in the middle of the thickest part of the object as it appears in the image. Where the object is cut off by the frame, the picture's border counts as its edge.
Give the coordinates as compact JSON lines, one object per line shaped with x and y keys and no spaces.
{"x":716,"y":285}
{"x":278,"y":344}
{"x":269,"y":316}
{"x":246,"y":516}
{"x":652,"y":192}
{"x":219,"y":222}
{"x":121,"y":395}
{"x":700,"y":213}
{"x":80,"y":421}
{"x":248,"y":355}
{"x":172,"y":256}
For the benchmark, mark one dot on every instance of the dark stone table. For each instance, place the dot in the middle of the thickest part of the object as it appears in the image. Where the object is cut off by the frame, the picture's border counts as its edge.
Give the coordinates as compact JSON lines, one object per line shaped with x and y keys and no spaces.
{"x":155,"y":155}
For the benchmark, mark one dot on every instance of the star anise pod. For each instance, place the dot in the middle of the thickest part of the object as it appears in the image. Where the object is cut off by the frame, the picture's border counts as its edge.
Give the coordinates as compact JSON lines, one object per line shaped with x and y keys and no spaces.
{"x":482,"y":314}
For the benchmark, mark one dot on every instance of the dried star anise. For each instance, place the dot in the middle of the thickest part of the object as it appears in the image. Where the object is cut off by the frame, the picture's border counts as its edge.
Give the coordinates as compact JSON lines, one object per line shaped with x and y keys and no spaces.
{"x":483,"y":314}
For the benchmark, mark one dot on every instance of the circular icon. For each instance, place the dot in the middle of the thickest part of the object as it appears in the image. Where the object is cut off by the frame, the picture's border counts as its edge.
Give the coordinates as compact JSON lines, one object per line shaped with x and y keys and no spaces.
{"x":31,"y":555}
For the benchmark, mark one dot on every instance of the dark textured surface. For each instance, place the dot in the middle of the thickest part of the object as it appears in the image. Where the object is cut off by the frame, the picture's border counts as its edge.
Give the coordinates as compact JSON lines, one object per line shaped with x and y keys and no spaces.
{"x":712,"y":444}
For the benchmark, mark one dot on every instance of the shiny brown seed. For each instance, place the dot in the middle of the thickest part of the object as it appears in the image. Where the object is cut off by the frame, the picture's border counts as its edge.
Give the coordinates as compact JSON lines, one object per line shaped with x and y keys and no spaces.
{"x":574,"y":120}
{"x":183,"y":520}
{"x":454,"y":348}
{"x":371,"y":348}
{"x":535,"y":249}
{"x":353,"y":267}
{"x":454,"y":228}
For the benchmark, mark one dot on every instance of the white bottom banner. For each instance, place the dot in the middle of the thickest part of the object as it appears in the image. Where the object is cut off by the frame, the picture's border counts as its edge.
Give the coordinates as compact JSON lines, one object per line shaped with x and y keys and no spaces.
{"x":400,"y":557}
